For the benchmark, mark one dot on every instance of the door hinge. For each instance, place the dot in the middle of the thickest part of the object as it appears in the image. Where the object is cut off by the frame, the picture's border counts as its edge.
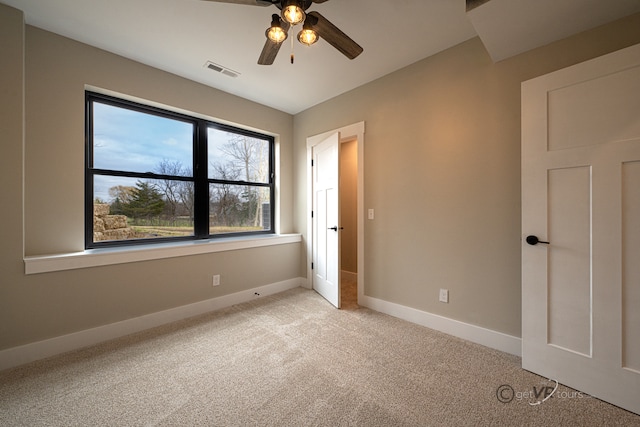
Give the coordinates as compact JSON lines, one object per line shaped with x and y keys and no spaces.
{"x":311,"y":214}
{"x":311,"y":162}
{"x":312,"y":266}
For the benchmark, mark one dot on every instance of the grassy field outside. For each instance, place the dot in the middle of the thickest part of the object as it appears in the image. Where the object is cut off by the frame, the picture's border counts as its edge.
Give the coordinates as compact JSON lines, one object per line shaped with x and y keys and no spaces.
{"x":173,"y":231}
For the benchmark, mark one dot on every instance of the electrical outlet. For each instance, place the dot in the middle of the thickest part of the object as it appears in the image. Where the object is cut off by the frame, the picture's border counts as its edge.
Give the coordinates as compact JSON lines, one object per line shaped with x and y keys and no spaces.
{"x":371,"y":214}
{"x":444,"y":295}
{"x":216,"y":280}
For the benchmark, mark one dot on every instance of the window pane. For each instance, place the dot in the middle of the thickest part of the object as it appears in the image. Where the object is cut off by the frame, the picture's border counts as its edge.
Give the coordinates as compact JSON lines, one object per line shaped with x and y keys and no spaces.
{"x":237,"y":157}
{"x":128,"y":140}
{"x":131,"y":208}
{"x":142,"y":166}
{"x":238,"y":208}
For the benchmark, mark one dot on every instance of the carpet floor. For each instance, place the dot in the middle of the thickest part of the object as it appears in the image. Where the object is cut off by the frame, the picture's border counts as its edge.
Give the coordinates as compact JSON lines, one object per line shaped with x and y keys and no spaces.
{"x":290,"y":359}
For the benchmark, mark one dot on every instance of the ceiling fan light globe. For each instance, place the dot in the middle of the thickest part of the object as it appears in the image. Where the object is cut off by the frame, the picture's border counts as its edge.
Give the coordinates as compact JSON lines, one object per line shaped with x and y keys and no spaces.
{"x":307,"y":36}
{"x":293,"y":13}
{"x":276,"y":34}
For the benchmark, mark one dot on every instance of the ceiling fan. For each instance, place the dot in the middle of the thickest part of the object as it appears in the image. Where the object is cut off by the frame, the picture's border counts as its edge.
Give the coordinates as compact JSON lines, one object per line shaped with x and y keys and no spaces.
{"x":294,"y":12}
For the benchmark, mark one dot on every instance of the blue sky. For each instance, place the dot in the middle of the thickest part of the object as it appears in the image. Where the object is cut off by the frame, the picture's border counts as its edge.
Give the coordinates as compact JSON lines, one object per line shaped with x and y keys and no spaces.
{"x":133,"y":141}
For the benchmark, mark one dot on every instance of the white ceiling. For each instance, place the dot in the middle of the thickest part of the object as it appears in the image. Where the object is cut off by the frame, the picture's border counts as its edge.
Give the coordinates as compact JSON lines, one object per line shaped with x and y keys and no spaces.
{"x":180,"y":36}
{"x":510,"y":27}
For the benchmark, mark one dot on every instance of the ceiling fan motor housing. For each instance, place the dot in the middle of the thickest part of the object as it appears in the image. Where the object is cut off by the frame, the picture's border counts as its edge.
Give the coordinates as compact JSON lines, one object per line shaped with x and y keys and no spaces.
{"x":304,"y":4}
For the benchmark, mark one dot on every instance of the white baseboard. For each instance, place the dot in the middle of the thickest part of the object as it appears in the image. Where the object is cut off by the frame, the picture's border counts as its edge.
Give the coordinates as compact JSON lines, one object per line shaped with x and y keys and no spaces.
{"x":16,"y":356}
{"x":479,"y":335}
{"x":306,"y":283}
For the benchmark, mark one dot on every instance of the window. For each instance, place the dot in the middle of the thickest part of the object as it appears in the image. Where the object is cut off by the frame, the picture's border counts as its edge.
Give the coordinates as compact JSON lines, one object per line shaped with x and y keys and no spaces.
{"x":154,"y":175}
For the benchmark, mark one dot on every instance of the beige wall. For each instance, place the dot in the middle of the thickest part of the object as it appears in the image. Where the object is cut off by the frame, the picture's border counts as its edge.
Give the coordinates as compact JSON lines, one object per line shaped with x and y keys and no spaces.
{"x":41,"y":306}
{"x":442,"y":171}
{"x":349,"y":206}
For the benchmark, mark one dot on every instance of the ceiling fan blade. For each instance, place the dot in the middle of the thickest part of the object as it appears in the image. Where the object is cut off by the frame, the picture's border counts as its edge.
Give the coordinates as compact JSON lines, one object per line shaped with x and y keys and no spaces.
{"x":269,"y":52}
{"x":247,"y":2}
{"x":319,"y":1}
{"x":271,"y":49}
{"x":335,"y":37}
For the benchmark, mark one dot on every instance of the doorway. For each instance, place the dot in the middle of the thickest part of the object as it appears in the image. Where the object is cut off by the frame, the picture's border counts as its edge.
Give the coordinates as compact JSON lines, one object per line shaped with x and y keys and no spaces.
{"x":351,"y":266}
{"x":349,"y":222}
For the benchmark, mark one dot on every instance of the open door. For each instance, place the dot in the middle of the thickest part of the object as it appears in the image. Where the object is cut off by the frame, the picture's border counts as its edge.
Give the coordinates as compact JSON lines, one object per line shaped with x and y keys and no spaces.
{"x":581,"y":227}
{"x":326,"y":219}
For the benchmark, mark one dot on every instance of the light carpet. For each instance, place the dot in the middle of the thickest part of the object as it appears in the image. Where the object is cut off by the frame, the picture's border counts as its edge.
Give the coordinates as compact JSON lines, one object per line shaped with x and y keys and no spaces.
{"x":290,"y":359}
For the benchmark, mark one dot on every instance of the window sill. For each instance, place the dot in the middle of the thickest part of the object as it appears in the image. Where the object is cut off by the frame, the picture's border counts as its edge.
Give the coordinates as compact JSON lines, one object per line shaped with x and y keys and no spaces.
{"x":111,"y":256}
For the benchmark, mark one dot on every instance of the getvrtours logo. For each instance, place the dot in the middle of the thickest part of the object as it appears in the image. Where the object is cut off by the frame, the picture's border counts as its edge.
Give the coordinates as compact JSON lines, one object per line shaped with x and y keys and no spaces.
{"x":538,"y":394}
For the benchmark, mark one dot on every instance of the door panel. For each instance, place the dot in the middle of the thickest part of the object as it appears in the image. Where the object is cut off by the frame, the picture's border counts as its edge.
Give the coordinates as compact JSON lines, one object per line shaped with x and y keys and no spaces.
{"x":586,"y":101}
{"x":326,"y":219}
{"x":569,"y":262}
{"x":581,"y":193}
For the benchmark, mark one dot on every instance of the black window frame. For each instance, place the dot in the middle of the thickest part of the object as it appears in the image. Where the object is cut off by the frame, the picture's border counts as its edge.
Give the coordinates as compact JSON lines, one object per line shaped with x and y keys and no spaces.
{"x":200,"y":178}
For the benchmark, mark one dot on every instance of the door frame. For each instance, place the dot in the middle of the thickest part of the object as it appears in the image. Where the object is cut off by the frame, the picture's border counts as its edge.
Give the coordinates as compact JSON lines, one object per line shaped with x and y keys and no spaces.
{"x":347,"y":133}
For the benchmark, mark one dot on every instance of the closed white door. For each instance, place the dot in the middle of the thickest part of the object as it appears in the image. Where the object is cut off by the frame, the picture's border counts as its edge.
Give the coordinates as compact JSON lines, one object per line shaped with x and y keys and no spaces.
{"x":581,"y":194}
{"x":326,"y":219}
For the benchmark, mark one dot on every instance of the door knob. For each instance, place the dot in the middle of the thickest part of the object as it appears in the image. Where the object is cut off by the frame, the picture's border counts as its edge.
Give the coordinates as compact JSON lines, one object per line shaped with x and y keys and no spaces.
{"x":335,"y":228}
{"x":533,"y":240}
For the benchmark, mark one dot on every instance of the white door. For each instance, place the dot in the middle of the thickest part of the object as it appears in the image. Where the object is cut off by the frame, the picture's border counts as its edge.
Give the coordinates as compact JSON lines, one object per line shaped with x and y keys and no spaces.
{"x":326,"y":219}
{"x":581,"y":193}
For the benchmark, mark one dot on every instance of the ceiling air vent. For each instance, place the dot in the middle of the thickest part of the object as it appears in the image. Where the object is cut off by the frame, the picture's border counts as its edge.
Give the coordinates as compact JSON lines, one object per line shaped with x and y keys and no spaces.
{"x":220,"y":69}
